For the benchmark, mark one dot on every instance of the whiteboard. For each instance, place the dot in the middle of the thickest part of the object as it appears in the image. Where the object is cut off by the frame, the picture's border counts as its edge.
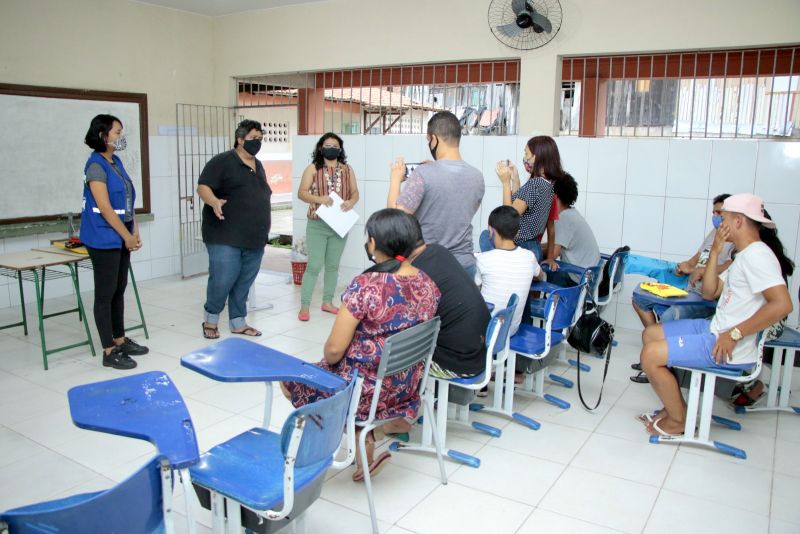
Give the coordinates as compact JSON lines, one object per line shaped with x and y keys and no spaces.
{"x":43,"y":154}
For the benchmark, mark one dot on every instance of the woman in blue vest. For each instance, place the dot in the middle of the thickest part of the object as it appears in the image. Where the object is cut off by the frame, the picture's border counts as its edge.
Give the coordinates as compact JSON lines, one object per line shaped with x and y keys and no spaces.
{"x":110,"y":233}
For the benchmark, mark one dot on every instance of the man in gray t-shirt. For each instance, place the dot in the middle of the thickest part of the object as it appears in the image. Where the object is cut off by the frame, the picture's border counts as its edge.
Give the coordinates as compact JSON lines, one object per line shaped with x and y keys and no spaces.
{"x":445,"y":194}
{"x":575,"y":241}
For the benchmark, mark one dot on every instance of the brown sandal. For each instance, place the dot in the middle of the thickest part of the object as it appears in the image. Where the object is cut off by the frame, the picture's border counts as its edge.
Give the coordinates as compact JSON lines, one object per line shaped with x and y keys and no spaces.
{"x":210,"y":332}
{"x":248,"y":331}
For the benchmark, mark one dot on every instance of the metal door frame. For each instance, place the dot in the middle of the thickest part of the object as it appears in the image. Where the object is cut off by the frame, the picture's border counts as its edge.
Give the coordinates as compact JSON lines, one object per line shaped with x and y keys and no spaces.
{"x":202,"y":133}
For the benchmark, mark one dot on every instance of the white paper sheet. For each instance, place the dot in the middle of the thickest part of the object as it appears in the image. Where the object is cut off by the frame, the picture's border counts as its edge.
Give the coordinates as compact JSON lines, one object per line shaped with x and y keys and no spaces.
{"x":340,"y":221}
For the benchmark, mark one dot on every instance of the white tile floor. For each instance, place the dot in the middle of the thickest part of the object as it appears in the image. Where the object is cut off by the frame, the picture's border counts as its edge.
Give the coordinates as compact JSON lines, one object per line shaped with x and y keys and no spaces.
{"x":581,"y":472}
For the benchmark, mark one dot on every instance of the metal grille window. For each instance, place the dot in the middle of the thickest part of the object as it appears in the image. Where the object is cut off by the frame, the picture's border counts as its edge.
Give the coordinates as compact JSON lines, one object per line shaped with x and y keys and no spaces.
{"x":394,"y":100}
{"x":717,"y":94}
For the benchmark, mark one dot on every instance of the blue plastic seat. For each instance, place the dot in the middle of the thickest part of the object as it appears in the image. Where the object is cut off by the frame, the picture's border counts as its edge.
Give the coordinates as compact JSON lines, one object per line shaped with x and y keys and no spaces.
{"x":272,"y":474}
{"x":563,"y":307}
{"x":496,"y":352}
{"x":780,"y":382}
{"x":531,"y":339}
{"x":589,"y":281}
{"x":589,"y":276}
{"x":134,"y":505}
{"x":249,"y":469}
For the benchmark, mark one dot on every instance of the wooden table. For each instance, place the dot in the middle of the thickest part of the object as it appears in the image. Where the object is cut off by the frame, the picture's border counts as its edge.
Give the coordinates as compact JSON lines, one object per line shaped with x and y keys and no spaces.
{"x":86,"y":263}
{"x":34,"y":266}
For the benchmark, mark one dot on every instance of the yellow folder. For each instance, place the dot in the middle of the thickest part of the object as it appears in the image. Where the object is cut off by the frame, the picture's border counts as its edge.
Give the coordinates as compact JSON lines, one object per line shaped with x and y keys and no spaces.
{"x":663,"y":290}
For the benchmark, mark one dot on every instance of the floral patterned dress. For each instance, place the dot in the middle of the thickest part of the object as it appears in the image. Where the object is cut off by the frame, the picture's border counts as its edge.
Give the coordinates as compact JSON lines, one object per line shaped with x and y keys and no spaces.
{"x":384,"y":304}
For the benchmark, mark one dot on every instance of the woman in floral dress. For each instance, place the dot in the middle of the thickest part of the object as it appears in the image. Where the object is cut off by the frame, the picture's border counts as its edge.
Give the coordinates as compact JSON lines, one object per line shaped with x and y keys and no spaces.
{"x":385,"y":299}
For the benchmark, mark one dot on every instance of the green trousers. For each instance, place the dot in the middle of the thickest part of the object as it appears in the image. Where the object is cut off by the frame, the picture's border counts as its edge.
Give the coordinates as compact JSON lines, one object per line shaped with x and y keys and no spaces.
{"x":324,"y":247}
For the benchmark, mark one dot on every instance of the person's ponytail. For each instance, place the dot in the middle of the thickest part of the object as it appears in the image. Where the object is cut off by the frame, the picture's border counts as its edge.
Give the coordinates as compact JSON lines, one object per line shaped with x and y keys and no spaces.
{"x":769,"y":236}
{"x":396,"y":234}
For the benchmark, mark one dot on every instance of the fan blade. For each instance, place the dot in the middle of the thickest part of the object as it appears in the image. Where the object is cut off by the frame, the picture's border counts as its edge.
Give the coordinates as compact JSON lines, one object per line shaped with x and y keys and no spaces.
{"x":542,"y":21}
{"x":510,"y":30}
{"x":518,"y":6}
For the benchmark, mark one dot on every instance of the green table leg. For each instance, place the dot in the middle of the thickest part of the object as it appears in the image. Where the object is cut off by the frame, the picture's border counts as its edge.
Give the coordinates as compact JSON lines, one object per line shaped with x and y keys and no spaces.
{"x":40,"y":313}
{"x":138,"y":303}
{"x":73,"y":271}
{"x":44,"y":273}
{"x":22,"y":303}
{"x":78,"y":287}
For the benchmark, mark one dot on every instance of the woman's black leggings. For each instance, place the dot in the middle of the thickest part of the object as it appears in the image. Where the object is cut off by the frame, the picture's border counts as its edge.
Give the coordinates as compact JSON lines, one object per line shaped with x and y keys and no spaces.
{"x":110,"y":280}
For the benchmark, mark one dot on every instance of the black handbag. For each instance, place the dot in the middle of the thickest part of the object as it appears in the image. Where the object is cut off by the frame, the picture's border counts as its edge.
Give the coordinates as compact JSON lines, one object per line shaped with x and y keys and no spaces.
{"x":592,"y":335}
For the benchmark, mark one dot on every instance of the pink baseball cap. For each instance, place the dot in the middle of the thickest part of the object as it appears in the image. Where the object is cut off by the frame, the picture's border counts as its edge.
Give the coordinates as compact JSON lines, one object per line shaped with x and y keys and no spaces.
{"x":749,"y":205}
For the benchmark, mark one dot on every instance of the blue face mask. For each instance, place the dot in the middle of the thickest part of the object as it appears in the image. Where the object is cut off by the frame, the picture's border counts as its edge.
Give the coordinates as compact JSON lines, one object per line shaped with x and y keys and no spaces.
{"x":716,"y":220}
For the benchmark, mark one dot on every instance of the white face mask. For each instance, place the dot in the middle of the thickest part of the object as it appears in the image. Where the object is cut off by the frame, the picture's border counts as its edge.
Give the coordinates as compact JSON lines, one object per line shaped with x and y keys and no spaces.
{"x":120,"y":144}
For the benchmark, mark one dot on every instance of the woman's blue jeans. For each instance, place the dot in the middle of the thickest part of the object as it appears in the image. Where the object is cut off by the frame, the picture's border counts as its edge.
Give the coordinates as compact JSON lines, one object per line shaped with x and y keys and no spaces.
{"x":231,"y":272}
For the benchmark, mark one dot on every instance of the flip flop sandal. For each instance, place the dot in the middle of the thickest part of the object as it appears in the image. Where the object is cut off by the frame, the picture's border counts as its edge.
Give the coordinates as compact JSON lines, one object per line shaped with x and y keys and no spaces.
{"x":745,"y":400}
{"x":379,"y":435}
{"x":375,"y":467}
{"x":661,"y":433}
{"x":640,"y":378}
{"x":647,"y":417}
{"x":636,"y":366}
{"x":210,"y":332}
{"x":249,"y":332}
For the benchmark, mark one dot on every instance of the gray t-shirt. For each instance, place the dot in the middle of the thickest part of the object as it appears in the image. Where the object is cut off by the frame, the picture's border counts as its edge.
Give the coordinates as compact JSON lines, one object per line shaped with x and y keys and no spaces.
{"x":445,"y":195}
{"x":96,"y":173}
{"x":705,"y":250}
{"x":578,"y":245}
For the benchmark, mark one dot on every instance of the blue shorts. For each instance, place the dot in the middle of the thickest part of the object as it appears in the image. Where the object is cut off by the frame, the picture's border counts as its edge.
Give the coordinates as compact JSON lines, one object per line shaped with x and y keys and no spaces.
{"x":690,"y":342}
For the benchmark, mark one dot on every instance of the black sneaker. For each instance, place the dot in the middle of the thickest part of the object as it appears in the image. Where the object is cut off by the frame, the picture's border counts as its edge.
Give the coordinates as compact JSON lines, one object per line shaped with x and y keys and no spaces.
{"x":118,"y":359}
{"x":132,"y":348}
{"x":484,"y":392}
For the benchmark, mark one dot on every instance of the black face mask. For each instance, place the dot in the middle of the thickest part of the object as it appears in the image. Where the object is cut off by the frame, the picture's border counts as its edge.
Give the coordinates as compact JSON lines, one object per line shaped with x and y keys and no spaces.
{"x":330,"y":153}
{"x":252,"y":146}
{"x":433,"y":150}
{"x":369,"y":256}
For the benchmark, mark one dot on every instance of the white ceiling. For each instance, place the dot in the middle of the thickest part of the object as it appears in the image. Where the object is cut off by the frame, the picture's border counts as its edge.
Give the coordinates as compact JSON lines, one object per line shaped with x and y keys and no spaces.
{"x":215,"y":8}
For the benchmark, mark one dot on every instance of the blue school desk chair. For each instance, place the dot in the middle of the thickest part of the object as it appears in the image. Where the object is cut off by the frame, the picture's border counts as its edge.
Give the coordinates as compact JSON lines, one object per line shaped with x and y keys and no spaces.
{"x":263,"y":475}
{"x":497,"y":334}
{"x":141,"y":504}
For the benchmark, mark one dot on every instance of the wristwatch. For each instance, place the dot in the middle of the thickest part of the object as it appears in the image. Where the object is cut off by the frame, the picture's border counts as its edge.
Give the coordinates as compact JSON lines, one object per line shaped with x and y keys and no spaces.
{"x":735,"y":334}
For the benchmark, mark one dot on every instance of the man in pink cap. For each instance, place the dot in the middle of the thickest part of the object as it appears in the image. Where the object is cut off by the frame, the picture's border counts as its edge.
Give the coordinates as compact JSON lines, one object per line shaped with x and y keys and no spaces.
{"x":752,"y":295}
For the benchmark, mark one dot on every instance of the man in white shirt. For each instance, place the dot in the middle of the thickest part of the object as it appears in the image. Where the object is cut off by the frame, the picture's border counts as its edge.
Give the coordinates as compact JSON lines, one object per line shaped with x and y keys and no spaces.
{"x":752,"y":296}
{"x":508,"y":269}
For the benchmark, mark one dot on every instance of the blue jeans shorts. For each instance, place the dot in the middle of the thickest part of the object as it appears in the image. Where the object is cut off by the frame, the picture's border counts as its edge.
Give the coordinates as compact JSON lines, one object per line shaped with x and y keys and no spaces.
{"x":673,"y":313}
{"x":690,"y":342}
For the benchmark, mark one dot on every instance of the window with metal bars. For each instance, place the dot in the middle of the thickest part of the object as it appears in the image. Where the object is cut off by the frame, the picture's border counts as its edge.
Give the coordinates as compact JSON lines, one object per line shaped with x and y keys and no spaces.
{"x":748,"y":93}
{"x":394,"y":100}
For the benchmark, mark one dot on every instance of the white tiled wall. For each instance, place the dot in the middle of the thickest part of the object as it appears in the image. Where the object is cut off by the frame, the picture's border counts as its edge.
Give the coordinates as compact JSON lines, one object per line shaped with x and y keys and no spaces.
{"x":651,"y":194}
{"x":158,"y":257}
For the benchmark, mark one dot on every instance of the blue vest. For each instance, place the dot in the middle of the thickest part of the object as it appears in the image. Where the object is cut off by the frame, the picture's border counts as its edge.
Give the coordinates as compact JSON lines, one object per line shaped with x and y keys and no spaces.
{"x":95,"y":230}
